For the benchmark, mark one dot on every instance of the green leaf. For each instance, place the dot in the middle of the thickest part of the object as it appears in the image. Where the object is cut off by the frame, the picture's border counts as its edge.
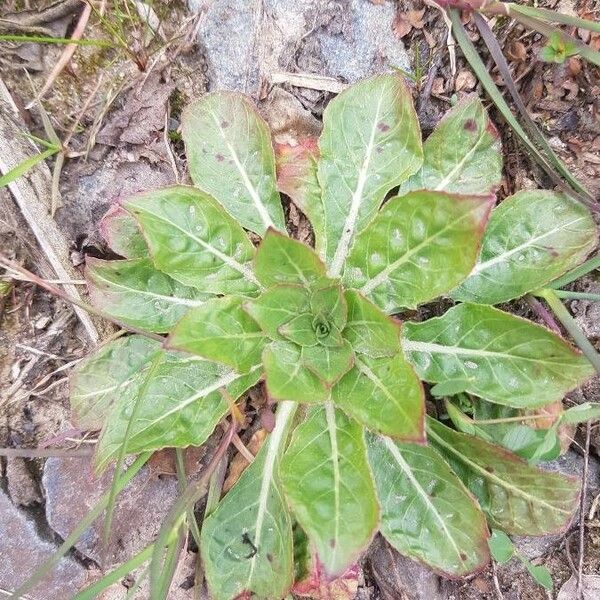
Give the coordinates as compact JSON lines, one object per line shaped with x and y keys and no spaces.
{"x":278,"y":306}
{"x":329,"y":363}
{"x":418,"y":247}
{"x":540,"y":573}
{"x":502,"y":358}
{"x":281,"y":260}
{"x":134,"y":292}
{"x":27,"y":164}
{"x":463,"y":154}
{"x":534,"y":445}
{"x":288,"y":377}
{"x":368,"y":330}
{"x":532,"y":238}
{"x":588,"y":411}
{"x":101,"y":378}
{"x":192,"y":239}
{"x":427,"y":513}
{"x":370,"y":143}
{"x":329,"y":303}
{"x":230,"y":156}
{"x":247,"y":541}
{"x":517,"y":498}
{"x":501,"y":546}
{"x":122,"y":233}
{"x":297,"y":178}
{"x":385,"y":395}
{"x":220,"y":330}
{"x":179,"y":407}
{"x":328,"y":483}
{"x":300,"y":330}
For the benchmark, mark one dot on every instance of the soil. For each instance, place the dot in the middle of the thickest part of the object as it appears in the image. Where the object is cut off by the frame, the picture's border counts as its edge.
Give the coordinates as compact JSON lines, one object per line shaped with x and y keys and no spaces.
{"x":123,"y":122}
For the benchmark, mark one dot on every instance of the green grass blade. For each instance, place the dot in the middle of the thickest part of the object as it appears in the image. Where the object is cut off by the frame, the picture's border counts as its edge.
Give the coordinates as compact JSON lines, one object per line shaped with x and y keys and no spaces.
{"x":39,"y":39}
{"x":96,"y":588}
{"x":569,"y":323}
{"x":182,"y":477}
{"x":486,"y":80}
{"x":591,"y":264}
{"x":110,"y":507}
{"x":538,"y":137}
{"x":170,"y":525}
{"x":79,"y":530}
{"x":27,"y":164}
{"x":569,"y":295}
{"x":551,"y":16}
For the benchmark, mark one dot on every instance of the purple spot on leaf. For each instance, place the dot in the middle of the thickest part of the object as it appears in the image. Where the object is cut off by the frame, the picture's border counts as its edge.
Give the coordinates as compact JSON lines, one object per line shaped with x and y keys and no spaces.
{"x":470,"y":125}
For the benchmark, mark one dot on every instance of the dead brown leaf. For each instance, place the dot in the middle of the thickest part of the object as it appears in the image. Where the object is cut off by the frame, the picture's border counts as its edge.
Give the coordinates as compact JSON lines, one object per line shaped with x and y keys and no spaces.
{"x":239,"y":463}
{"x":465,"y":81}
{"x":517,"y":52}
{"x":404,"y":22}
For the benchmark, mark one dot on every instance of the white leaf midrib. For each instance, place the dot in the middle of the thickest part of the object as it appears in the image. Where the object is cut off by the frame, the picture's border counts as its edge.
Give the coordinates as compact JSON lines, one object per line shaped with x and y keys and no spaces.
{"x":332,"y":431}
{"x":433,"y":348}
{"x":349,"y":228}
{"x":284,"y":414}
{"x":170,"y":299}
{"x":479,"y":267}
{"x":492,"y":476}
{"x":245,"y":271}
{"x":260,"y":207}
{"x":405,"y":467}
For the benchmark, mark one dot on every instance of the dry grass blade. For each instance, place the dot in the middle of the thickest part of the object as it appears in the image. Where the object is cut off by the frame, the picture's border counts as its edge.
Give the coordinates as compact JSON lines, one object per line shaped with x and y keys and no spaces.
{"x":66,"y":55}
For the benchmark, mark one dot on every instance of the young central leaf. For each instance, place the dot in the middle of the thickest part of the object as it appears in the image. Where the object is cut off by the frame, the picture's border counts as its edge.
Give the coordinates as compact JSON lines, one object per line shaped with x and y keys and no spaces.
{"x":281,"y":260}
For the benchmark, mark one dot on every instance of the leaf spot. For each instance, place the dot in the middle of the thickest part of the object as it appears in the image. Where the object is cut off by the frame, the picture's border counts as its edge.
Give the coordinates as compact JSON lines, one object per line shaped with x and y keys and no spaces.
{"x":219,"y":157}
{"x":383,"y":126}
{"x":470,"y":125}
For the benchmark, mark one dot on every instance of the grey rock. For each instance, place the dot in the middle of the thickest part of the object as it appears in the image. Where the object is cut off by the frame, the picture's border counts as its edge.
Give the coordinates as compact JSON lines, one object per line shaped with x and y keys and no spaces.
{"x":72,"y":490}
{"x":346,"y":39}
{"x":22,"y":487}
{"x":399,"y":577}
{"x":22,"y":550}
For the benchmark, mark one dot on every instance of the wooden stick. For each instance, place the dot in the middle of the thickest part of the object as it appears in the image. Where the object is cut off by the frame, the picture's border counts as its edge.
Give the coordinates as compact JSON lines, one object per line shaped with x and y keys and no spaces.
{"x":32,"y":195}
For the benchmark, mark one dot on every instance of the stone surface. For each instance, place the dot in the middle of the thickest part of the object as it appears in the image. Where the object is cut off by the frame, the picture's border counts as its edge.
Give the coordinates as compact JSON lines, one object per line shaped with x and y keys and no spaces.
{"x":22,"y":487}
{"x":245,"y":42}
{"x":72,"y":490}
{"x":400,"y":578}
{"x":22,"y":550}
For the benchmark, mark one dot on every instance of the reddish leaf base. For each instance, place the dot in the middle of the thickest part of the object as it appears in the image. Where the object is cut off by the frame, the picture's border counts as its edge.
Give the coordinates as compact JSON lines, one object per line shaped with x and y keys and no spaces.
{"x":318,"y":585}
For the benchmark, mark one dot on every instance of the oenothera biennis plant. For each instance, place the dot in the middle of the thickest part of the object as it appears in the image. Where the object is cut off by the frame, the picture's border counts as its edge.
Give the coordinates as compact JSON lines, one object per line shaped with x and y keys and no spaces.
{"x":397,"y":223}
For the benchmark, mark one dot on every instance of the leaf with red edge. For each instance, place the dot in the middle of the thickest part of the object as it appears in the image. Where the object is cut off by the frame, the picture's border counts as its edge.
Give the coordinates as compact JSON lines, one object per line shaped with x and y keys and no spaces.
{"x":516,"y":497}
{"x":297,"y":178}
{"x":318,"y":585}
{"x":122,"y":233}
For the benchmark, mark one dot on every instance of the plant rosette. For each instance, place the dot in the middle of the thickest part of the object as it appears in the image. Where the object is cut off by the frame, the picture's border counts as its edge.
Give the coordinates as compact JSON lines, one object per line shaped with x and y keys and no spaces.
{"x":397,"y":223}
